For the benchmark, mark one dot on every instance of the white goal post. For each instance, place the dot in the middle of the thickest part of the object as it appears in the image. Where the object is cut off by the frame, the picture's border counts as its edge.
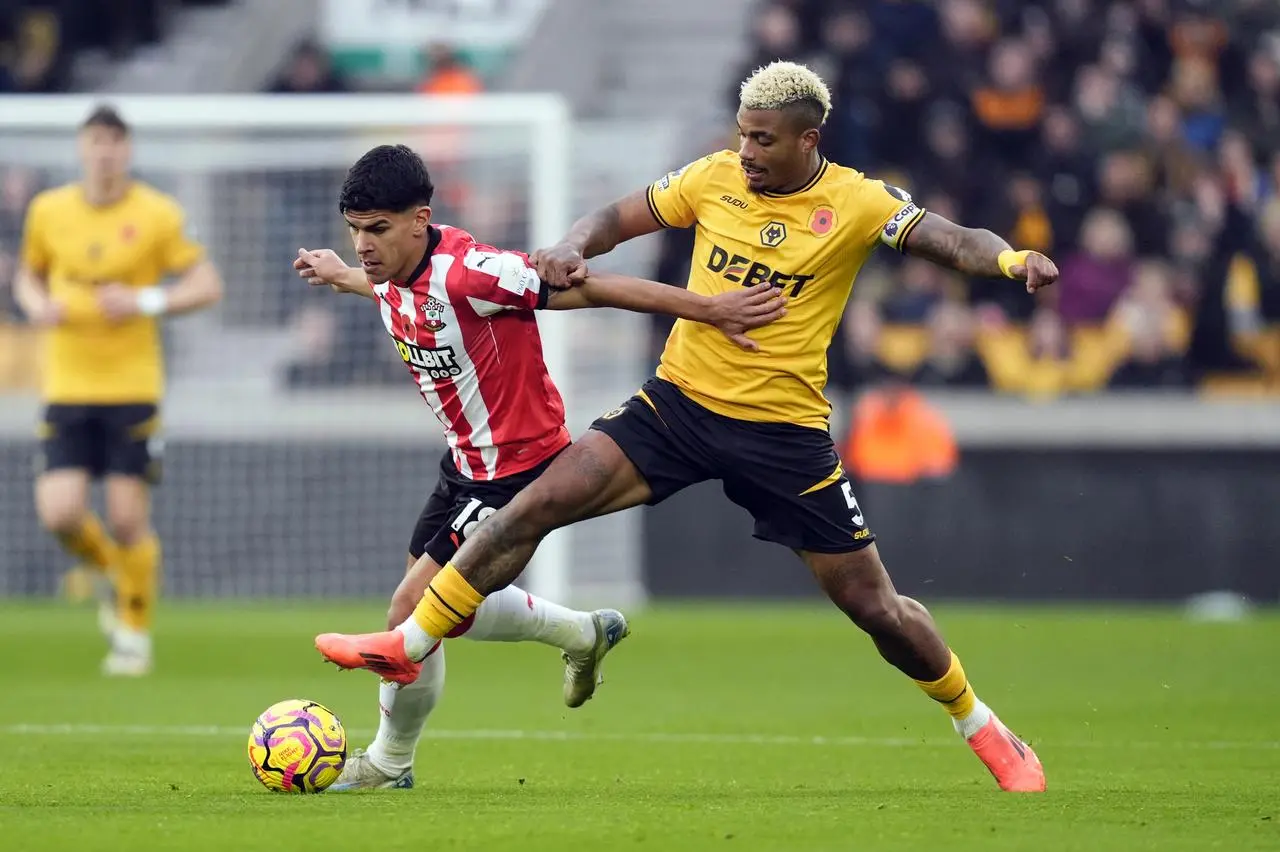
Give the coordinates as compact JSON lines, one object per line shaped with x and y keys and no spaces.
{"x":292,"y":434}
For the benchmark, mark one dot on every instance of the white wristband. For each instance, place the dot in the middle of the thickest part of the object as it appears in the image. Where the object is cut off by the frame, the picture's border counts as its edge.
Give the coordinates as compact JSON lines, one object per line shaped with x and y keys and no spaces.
{"x":152,"y":301}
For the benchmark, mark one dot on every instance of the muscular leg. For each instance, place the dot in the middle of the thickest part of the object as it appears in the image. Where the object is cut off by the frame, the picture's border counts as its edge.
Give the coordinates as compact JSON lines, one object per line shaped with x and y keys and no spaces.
{"x":906,"y":636}
{"x":902,"y":629}
{"x":592,"y":477}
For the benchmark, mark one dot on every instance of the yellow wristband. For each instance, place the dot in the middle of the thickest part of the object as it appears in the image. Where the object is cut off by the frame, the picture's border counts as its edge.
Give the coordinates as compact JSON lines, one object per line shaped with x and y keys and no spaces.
{"x":1010,"y":258}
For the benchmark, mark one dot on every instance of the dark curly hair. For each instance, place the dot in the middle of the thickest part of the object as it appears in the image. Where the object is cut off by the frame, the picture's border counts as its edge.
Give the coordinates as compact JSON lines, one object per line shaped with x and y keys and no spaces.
{"x":390,"y":177}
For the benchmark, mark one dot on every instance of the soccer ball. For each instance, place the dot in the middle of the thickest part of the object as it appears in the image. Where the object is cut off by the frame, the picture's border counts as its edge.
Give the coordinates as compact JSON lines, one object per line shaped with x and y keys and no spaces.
{"x":297,"y":746}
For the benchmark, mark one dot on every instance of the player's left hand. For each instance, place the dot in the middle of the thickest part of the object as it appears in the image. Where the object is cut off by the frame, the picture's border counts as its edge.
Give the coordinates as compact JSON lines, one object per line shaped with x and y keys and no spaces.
{"x":1039,"y":271}
{"x":741,"y":310}
{"x":118,"y":302}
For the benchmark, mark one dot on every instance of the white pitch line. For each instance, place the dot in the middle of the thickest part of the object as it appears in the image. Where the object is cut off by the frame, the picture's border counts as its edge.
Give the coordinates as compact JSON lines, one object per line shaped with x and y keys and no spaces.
{"x":40,"y":730}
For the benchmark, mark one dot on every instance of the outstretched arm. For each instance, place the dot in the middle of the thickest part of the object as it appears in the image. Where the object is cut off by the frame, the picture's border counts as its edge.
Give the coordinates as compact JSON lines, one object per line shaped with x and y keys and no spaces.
{"x":564,"y":264}
{"x":323,"y":266}
{"x":977,"y":252}
{"x":734,"y":312}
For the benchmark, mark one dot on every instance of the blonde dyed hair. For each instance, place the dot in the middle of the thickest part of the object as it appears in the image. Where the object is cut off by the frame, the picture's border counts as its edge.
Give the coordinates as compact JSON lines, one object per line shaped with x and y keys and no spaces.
{"x":782,"y":84}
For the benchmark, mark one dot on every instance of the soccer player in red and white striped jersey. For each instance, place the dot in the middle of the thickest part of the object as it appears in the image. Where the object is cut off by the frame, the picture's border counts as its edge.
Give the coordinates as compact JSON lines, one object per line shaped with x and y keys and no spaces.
{"x":461,"y":316}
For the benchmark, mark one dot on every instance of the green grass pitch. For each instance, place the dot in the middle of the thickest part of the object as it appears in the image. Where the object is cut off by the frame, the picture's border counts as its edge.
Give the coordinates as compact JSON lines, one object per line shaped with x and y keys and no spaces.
{"x":719,"y":727}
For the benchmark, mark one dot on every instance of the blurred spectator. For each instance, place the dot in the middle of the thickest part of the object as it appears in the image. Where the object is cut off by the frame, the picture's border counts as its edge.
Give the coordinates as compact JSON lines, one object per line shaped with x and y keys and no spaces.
{"x":968,"y":30}
{"x":448,"y":74}
{"x":1009,"y":106}
{"x":33,"y":49}
{"x":1068,"y":175}
{"x":921,"y":285}
{"x":1194,"y":86}
{"x":1126,"y":185}
{"x":1173,"y":161}
{"x":1095,"y":276}
{"x":1257,"y":110}
{"x":943,"y":163}
{"x":1145,"y":317}
{"x":775,"y":34}
{"x":859,"y":362}
{"x":896,"y":436}
{"x":950,"y":360}
{"x":1111,"y":109}
{"x":307,"y":71}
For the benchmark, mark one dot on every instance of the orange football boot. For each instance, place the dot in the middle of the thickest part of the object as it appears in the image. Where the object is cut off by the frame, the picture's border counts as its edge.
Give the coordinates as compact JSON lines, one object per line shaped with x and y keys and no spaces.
{"x":381,"y":653}
{"x":1014,"y":765}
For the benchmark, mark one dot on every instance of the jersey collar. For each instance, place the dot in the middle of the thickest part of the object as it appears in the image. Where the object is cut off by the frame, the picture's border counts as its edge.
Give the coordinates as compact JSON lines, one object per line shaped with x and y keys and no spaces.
{"x":433,"y":241}
{"x":809,"y":184}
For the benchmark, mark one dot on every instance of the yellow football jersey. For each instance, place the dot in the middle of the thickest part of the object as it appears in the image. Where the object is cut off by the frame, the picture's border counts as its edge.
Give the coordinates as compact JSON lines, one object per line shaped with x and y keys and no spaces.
{"x":137,"y":241}
{"x":811,"y":243}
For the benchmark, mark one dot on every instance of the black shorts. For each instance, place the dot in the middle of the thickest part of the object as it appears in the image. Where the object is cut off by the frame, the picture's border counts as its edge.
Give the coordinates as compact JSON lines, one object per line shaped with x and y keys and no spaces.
{"x":788,"y":477}
{"x":102,"y":439}
{"x":457,"y":504}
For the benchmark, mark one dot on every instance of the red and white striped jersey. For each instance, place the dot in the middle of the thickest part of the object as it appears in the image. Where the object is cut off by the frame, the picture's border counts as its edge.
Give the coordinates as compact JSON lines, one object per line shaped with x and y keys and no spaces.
{"x":464,"y":325}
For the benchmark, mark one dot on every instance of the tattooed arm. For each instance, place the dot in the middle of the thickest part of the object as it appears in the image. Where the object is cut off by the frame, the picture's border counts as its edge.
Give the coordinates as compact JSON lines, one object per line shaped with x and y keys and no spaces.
{"x":977,"y":252}
{"x":597,"y":233}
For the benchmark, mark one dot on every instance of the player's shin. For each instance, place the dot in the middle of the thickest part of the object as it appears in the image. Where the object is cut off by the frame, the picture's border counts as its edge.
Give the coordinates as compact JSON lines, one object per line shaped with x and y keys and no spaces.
{"x":448,"y":601}
{"x":514,"y":615}
{"x":138,"y":582}
{"x":451,"y":599}
{"x":956,"y":696}
{"x":403,"y":714}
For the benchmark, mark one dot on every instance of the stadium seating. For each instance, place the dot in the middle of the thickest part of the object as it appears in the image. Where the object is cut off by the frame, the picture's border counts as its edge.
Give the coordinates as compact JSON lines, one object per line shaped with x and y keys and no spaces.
{"x":1114,"y":141}
{"x":41,"y":39}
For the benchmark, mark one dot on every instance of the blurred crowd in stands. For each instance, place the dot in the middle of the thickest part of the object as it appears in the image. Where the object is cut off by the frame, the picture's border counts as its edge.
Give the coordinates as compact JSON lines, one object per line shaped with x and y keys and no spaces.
{"x":40,"y":39}
{"x":1135,"y":141}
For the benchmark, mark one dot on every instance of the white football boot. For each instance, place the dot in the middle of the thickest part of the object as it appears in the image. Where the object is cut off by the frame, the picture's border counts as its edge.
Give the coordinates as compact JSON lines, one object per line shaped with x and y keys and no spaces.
{"x":359,"y":773}
{"x":130,"y":654}
{"x":582,"y":671}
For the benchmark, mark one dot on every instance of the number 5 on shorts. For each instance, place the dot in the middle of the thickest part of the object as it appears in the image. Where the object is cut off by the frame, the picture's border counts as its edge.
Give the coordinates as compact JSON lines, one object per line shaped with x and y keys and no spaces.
{"x":847,"y":488}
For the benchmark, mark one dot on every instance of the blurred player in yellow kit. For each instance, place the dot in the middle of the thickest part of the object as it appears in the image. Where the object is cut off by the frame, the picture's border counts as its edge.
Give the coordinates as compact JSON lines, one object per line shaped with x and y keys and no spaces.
{"x":94,"y":255}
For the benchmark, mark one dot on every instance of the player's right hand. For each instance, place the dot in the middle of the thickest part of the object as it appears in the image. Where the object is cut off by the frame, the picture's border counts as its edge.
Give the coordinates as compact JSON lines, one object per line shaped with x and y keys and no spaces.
{"x":741,"y":310}
{"x":321,"y":266}
{"x":562,"y":266}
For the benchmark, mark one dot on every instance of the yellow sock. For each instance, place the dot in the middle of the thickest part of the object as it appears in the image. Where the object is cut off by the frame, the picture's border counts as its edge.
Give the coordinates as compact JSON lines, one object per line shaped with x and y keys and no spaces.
{"x":138,"y":584}
{"x":448,"y":601}
{"x":90,"y":543}
{"x":952,"y":690}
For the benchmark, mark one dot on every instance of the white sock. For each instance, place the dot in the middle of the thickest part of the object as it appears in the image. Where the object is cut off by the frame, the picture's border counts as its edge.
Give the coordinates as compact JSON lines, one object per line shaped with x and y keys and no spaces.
{"x":403,"y":714}
{"x":975,"y":721}
{"x":417,"y":642}
{"x":514,"y":615}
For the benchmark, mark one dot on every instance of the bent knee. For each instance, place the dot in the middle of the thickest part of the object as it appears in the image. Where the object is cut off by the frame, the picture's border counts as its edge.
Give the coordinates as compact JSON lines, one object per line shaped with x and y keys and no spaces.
{"x":879,"y":612}
{"x":128,"y":529}
{"x":60,"y":514}
{"x":61,"y":519}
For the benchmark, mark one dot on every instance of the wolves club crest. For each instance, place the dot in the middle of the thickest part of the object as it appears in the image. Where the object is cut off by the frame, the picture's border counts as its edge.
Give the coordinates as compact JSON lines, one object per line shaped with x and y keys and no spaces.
{"x":433,"y":314}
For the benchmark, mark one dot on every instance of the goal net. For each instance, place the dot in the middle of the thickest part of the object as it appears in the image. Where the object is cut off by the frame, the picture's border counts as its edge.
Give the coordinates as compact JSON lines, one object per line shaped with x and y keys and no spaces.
{"x":297,"y":453}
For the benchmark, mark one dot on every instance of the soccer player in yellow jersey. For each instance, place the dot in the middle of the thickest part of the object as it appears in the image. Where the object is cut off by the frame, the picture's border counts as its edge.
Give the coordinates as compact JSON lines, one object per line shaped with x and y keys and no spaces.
{"x":94,"y":254}
{"x":776,"y":211}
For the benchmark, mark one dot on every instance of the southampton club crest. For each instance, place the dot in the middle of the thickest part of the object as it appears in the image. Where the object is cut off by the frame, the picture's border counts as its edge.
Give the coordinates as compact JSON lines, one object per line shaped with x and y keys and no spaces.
{"x":433,"y":314}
